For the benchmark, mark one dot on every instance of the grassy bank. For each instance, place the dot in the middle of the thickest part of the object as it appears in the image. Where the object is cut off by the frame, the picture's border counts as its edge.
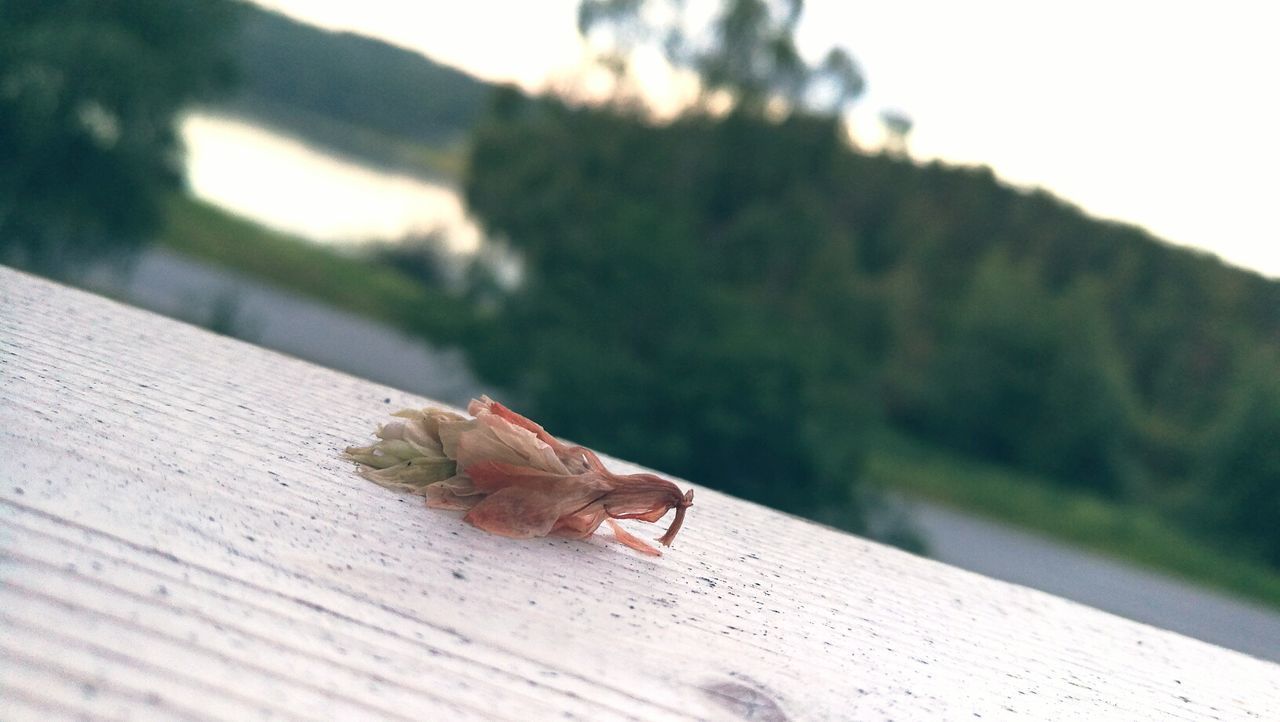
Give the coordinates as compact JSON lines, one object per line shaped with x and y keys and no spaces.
{"x":331,"y":275}
{"x":1123,"y":532}
{"x":443,"y":161}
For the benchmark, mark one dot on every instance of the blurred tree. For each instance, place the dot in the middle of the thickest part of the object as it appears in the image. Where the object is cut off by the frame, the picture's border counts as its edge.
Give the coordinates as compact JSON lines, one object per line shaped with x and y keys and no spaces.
{"x":1029,"y":379}
{"x":685,"y":304}
{"x":897,"y":126}
{"x":1240,"y":466}
{"x":746,"y":56}
{"x":422,"y":256}
{"x":89,"y":91}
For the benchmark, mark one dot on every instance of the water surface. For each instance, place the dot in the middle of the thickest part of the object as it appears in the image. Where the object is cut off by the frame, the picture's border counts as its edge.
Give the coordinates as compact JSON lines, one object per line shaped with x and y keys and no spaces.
{"x":289,"y":185}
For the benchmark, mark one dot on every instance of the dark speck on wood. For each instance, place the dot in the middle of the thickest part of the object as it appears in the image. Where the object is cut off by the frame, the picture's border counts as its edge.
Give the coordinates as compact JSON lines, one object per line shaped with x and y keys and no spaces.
{"x":745,"y":701}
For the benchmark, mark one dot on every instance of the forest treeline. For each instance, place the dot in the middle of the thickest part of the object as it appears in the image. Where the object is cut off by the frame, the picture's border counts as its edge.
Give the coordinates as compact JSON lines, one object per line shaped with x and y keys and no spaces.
{"x":329,"y":85}
{"x":741,"y":301}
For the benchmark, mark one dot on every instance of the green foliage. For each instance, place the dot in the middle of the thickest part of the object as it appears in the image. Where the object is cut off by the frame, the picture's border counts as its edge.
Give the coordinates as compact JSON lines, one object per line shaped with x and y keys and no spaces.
{"x":675,"y":309}
{"x":746,"y":56}
{"x":739,"y":300}
{"x":1240,"y":462}
{"x":1172,"y":324}
{"x":1032,"y":380}
{"x":88,"y":94}
{"x":423,"y":257}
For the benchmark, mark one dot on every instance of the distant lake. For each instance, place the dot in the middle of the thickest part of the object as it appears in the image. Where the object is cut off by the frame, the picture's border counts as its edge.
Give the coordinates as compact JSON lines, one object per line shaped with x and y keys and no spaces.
{"x":289,"y":185}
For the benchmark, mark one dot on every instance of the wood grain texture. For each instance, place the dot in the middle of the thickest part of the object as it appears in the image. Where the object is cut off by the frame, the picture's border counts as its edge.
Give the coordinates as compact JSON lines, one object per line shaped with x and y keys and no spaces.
{"x":180,"y":539}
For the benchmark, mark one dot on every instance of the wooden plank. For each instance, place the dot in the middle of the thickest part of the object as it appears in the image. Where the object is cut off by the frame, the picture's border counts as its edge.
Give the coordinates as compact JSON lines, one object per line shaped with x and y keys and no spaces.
{"x":180,"y":539}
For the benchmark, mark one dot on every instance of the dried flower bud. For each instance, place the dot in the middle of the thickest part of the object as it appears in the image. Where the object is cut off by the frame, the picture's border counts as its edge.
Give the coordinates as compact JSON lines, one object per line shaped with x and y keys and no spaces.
{"x":409,"y":454}
{"x":512,"y":477}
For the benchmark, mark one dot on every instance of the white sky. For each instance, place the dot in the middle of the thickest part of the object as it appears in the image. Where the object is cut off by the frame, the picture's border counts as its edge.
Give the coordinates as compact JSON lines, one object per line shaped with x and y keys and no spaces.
{"x":1153,"y":113}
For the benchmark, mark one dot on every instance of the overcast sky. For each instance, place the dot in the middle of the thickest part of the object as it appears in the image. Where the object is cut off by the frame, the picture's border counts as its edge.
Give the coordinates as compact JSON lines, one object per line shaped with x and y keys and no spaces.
{"x":1153,"y":113}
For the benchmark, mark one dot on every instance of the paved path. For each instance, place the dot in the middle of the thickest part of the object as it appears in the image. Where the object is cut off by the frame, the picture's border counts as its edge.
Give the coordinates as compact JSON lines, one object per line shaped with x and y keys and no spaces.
{"x":1006,"y":553}
{"x":176,"y":286}
{"x":235,"y":305}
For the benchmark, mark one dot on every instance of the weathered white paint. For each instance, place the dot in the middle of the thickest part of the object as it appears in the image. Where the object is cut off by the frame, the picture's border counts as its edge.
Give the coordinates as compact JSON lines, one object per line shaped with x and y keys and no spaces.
{"x":179,"y":539}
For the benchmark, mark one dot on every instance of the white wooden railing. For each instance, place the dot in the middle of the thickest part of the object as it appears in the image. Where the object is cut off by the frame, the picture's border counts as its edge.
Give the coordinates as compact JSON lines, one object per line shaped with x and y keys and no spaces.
{"x":180,"y":539}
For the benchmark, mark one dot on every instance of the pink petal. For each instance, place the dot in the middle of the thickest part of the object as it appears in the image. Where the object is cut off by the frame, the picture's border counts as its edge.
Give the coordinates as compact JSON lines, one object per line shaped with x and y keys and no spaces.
{"x":582,"y":524}
{"x":440,"y":496}
{"x":522,"y":513}
{"x":493,"y":439}
{"x":526,"y":502}
{"x":631,"y":540}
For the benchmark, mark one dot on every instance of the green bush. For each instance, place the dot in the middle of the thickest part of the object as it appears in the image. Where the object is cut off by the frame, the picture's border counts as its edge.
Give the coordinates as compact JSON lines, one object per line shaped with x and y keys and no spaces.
{"x":1240,"y":465}
{"x":684,"y":303}
{"x":1031,"y":380}
{"x":89,"y":94}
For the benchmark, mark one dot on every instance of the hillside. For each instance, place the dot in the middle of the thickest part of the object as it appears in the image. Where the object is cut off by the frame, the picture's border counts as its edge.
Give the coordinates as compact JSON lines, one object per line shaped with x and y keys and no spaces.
{"x":354,"y":94}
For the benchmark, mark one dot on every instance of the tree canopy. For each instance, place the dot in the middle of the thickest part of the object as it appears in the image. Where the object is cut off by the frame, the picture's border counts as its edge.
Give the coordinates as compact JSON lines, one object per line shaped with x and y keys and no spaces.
{"x":89,"y":91}
{"x":740,"y":300}
{"x":745,"y":55}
